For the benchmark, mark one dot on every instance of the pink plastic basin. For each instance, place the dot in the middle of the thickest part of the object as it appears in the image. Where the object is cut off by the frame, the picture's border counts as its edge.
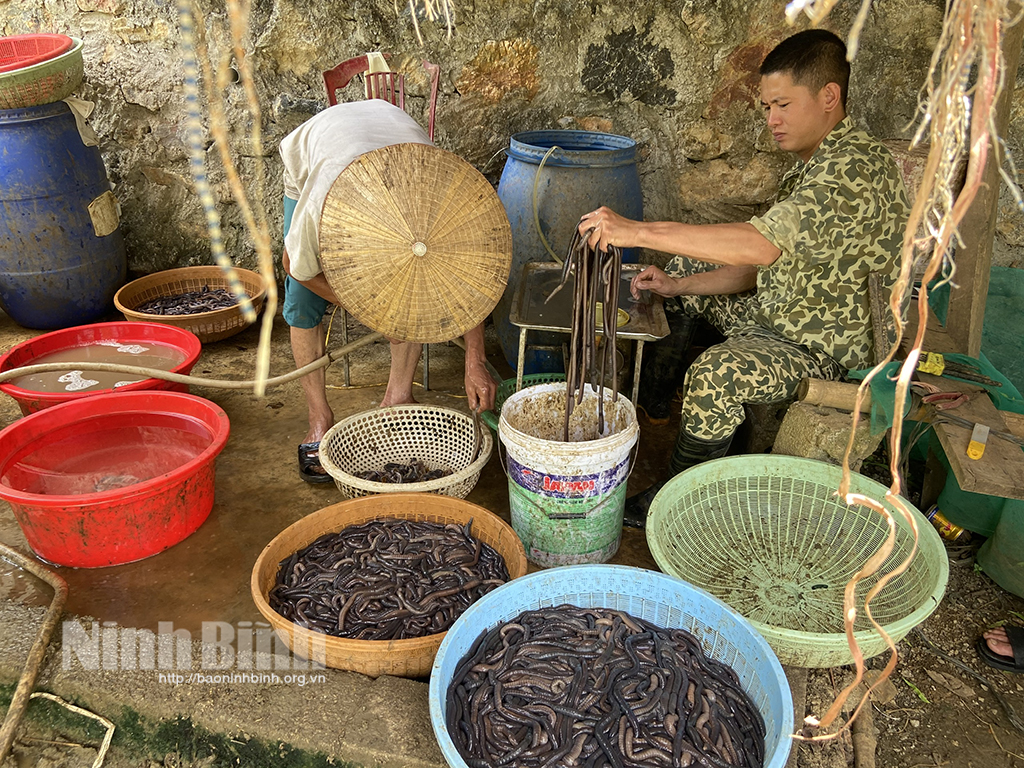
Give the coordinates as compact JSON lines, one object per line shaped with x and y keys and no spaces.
{"x":112,"y":478}
{"x":185,"y":342}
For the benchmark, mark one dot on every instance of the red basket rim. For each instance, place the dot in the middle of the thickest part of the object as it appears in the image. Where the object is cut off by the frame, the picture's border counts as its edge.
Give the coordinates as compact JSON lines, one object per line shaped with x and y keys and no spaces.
{"x":35,"y":49}
{"x":179,"y":338}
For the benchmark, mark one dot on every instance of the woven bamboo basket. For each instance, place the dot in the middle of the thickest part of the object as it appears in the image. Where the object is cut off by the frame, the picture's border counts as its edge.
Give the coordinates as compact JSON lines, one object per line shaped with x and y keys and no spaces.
{"x":45,"y":82}
{"x":403,"y":658}
{"x":437,"y":436}
{"x":208,"y":326}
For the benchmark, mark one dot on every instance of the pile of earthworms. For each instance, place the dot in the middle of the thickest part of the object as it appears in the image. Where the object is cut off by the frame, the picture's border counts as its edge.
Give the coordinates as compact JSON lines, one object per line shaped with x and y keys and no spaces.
{"x":386,"y":579}
{"x":413,"y":472}
{"x":596,"y":274}
{"x":597,"y":687}
{"x":191,"y":303}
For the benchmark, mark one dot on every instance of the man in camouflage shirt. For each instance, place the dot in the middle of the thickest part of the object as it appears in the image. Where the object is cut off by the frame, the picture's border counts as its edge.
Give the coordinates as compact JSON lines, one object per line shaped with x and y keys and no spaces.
{"x":788,"y":289}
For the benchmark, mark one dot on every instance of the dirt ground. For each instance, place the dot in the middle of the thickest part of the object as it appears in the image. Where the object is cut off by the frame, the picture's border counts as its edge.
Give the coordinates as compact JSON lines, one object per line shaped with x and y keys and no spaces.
{"x":934,"y":713}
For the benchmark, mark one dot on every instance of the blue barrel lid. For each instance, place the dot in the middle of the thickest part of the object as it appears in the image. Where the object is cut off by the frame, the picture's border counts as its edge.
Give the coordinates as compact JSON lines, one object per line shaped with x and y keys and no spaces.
{"x":38,"y":112}
{"x":576,"y":149}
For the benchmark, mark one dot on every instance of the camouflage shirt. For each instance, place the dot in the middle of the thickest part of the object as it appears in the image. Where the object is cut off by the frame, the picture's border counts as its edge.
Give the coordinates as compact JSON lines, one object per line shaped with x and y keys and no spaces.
{"x":837,"y":217}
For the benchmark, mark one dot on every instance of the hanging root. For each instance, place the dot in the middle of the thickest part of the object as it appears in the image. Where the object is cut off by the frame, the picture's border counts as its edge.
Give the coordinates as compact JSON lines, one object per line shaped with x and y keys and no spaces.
{"x":433,"y":10}
{"x":238,"y":14}
{"x":197,"y":159}
{"x":958,"y":117}
{"x":197,"y":55}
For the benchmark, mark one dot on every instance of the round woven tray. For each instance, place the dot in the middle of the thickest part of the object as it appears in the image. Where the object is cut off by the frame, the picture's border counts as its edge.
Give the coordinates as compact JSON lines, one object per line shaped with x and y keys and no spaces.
{"x":405,"y":658}
{"x":208,"y":326}
{"x":769,"y":536}
{"x":43,"y":83}
{"x":439,"y":437}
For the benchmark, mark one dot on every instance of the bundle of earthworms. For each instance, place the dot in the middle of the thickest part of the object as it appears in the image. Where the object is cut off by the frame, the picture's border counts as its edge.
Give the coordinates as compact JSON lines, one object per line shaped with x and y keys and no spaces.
{"x":413,"y":472}
{"x":191,"y":303}
{"x":596,"y":275}
{"x":597,"y":687}
{"x":386,"y":579}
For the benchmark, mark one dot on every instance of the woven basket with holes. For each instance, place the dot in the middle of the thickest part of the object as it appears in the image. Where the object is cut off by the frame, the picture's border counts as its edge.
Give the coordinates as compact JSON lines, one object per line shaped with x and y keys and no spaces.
{"x":769,"y":536}
{"x":442,"y":438}
{"x":210,"y":326}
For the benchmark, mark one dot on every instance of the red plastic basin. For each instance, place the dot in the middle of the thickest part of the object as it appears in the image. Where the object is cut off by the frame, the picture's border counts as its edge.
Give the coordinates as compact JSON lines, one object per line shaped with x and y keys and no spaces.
{"x":20,"y":51}
{"x":185,"y":342}
{"x":60,"y":468}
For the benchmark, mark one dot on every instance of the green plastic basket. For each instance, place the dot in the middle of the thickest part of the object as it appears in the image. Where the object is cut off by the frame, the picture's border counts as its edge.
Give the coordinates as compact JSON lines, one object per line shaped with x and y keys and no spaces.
{"x":769,"y":536}
{"x":43,"y":83}
{"x":507,"y":388}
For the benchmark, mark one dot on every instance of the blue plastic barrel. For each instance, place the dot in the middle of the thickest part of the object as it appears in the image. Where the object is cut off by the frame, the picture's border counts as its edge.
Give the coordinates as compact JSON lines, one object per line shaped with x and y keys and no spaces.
{"x":54,"y":270}
{"x":588,"y":170}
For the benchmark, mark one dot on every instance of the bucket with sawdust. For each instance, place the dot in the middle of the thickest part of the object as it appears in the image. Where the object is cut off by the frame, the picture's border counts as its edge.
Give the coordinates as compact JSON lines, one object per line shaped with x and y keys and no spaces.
{"x":567,"y":498}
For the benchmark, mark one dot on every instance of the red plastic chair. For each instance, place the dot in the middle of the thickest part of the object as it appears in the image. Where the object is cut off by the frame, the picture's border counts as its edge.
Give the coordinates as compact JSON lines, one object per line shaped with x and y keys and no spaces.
{"x":389,"y":86}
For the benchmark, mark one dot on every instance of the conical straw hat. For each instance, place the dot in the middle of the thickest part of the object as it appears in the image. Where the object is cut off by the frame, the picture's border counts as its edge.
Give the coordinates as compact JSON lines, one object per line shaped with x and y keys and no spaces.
{"x":415,"y":243}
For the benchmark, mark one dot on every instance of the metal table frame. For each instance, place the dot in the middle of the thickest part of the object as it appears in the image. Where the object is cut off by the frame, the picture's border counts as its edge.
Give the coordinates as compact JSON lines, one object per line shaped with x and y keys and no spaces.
{"x":647,"y":321}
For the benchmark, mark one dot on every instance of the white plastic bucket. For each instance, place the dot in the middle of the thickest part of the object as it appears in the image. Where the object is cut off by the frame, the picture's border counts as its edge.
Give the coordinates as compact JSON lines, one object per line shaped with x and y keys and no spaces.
{"x":567,"y":498}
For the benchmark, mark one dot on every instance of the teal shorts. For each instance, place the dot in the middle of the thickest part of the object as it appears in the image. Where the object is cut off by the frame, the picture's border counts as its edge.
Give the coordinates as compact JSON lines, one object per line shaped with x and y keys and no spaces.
{"x":302,"y":307}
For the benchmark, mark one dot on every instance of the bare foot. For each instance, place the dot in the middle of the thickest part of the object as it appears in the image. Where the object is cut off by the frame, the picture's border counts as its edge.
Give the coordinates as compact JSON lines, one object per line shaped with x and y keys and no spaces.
{"x":388,"y":400}
{"x":998,"y":642}
{"x":317,"y":431}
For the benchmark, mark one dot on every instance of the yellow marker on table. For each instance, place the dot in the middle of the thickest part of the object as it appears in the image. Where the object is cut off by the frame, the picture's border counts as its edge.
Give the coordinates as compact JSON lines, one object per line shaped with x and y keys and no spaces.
{"x":933,"y":363}
{"x":976,"y":448}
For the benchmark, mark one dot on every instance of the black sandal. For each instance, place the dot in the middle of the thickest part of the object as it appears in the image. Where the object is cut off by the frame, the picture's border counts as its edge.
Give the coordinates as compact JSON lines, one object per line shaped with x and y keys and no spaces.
{"x":1013,"y":663}
{"x":309,"y":463}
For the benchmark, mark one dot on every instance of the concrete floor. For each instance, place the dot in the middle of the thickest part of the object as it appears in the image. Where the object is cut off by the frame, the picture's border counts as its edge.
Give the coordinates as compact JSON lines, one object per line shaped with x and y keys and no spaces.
{"x":206,"y":577}
{"x":264,"y":714}
{"x":258,"y":489}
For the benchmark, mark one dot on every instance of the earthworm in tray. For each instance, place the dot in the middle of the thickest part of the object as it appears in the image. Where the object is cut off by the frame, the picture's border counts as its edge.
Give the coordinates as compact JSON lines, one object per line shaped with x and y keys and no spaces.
{"x":593,"y":687}
{"x":386,"y":579}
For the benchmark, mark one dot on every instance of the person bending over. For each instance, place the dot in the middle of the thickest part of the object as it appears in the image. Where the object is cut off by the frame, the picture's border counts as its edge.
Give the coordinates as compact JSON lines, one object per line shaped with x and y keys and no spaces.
{"x":314,"y":154}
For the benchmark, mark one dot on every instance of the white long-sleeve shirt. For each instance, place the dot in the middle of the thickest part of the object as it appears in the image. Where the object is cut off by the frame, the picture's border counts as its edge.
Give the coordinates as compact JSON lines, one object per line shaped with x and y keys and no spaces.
{"x":316,"y":152}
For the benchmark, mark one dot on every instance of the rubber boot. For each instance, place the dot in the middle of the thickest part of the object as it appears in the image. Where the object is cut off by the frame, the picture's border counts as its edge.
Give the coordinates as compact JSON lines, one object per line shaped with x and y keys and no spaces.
{"x":689,"y":452}
{"x":662,"y":368}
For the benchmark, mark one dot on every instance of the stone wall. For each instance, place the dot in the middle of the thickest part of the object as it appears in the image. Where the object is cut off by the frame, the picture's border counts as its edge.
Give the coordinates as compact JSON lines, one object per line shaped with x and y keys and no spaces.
{"x":679,"y":76}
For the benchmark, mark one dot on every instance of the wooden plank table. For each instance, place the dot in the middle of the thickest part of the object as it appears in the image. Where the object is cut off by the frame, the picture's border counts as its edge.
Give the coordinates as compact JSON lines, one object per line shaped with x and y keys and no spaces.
{"x":1000,"y":471}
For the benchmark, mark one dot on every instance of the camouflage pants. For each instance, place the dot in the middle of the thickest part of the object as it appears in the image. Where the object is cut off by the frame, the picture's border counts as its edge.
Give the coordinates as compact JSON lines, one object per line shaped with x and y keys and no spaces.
{"x":753,"y":364}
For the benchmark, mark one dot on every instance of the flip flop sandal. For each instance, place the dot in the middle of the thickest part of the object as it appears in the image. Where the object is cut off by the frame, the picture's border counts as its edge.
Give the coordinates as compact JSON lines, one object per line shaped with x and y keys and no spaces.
{"x":309,"y":463}
{"x":1013,"y":663}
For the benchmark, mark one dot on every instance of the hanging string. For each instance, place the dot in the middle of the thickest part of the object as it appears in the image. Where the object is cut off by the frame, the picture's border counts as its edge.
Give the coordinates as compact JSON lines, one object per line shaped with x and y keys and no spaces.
{"x":197,"y":160}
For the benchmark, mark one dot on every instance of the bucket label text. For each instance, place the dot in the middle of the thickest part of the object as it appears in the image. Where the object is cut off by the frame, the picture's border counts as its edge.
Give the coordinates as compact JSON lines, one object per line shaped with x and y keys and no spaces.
{"x":567,"y":486}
